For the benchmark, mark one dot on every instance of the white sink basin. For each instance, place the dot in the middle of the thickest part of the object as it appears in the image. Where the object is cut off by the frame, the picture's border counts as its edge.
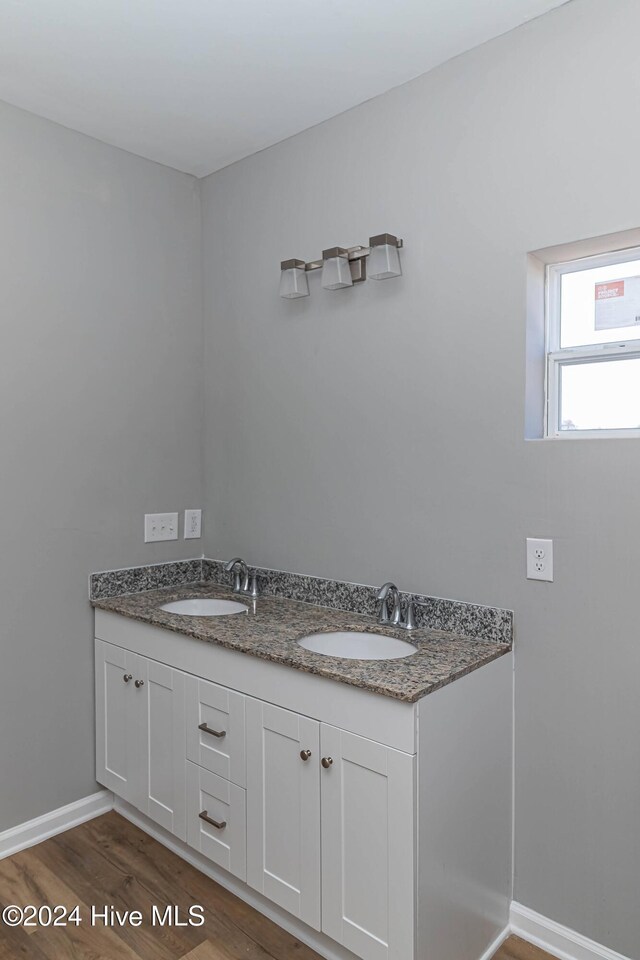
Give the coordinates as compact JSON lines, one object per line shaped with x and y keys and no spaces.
{"x":203,"y":607}
{"x":358,"y":646}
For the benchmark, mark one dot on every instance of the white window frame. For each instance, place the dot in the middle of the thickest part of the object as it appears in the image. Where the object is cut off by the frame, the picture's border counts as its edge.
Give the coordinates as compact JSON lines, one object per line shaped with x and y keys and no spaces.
{"x":558,"y":357}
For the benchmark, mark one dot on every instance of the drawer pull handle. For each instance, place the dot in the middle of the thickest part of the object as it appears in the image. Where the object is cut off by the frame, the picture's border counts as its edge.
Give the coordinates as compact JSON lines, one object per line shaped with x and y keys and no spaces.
{"x":218,"y":824}
{"x":214,"y":733}
{"x":326,"y":762}
{"x":127,"y":677}
{"x":305,"y":754}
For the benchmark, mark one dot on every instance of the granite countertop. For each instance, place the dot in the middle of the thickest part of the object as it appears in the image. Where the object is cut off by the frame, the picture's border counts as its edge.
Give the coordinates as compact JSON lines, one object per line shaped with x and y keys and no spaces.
{"x":273,"y":625}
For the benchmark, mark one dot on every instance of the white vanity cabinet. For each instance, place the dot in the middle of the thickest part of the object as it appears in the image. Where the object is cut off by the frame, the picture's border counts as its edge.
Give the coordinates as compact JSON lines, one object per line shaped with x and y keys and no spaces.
{"x":140,"y":734}
{"x":369,"y":827}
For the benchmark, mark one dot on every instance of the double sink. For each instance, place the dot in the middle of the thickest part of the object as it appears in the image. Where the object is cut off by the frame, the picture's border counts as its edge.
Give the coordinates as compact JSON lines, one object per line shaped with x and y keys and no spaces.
{"x":350,"y":645}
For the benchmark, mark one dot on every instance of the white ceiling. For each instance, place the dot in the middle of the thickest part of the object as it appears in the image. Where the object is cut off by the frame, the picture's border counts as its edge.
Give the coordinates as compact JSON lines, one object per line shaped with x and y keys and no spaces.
{"x":197,"y":84}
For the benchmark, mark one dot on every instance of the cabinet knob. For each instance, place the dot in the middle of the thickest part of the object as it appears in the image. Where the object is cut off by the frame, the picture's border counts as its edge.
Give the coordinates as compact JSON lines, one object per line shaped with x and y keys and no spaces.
{"x":127,"y":677}
{"x":305,"y":754}
{"x":139,"y":683}
{"x":326,"y":762}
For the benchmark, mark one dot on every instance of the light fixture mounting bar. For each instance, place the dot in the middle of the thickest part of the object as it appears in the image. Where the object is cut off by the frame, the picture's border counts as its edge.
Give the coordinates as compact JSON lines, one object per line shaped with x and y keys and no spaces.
{"x":357,"y":252}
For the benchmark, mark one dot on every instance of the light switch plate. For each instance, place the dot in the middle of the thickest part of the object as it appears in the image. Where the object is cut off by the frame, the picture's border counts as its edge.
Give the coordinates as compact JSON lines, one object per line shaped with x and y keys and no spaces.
{"x":539,"y":559}
{"x":192,"y":524}
{"x":160,"y":526}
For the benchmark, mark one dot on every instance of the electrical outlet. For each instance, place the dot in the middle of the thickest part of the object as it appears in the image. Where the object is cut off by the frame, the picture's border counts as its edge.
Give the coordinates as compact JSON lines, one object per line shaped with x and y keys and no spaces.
{"x":160,"y":526}
{"x":192,"y":524}
{"x":539,"y":559}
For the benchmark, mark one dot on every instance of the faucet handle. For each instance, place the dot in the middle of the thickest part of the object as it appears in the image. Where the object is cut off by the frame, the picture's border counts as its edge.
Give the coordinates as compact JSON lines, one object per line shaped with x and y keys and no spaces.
{"x":410,"y":616}
{"x":251,"y":587}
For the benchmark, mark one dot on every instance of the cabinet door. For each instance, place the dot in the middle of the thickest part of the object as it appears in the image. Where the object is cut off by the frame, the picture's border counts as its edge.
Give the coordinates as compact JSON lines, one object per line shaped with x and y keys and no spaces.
{"x":215,"y":729}
{"x":368,"y":840}
{"x":283,"y":809}
{"x":117,"y":745}
{"x":161,"y":701}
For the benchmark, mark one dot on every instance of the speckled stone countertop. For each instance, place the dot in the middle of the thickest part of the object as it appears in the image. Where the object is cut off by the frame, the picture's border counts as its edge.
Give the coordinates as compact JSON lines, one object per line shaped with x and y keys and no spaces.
{"x":273,"y":626}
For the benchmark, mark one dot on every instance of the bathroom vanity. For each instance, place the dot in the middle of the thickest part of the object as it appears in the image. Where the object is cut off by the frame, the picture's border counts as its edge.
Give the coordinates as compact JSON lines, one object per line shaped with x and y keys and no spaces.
{"x":364,"y":805}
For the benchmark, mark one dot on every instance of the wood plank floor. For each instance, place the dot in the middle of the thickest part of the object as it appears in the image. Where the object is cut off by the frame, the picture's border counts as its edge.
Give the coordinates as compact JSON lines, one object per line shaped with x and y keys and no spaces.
{"x":108,"y":861}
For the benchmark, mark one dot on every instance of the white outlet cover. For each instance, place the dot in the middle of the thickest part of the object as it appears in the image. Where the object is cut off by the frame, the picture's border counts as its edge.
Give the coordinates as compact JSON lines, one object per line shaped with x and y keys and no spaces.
{"x":539,"y":559}
{"x":192,"y":524}
{"x":160,"y":526}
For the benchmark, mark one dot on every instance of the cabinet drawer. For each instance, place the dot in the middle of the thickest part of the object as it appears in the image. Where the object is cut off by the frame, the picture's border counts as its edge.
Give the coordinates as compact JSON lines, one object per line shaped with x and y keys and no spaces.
{"x":216,"y":729}
{"x":217,"y":820}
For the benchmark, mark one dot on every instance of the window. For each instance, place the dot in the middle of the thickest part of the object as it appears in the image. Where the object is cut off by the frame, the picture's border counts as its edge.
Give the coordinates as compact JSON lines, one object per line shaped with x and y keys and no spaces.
{"x":593,"y":346}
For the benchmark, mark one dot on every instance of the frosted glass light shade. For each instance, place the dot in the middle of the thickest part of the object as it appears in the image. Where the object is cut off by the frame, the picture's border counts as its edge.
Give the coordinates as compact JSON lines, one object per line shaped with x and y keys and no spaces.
{"x":384,"y":262}
{"x":293,"y":280}
{"x":336,"y":272}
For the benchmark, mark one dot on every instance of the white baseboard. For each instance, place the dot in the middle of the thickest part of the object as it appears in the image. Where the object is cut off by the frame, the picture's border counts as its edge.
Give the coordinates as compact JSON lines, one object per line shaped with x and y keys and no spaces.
{"x":493,"y":948}
{"x":64,"y":818}
{"x":561,"y":942}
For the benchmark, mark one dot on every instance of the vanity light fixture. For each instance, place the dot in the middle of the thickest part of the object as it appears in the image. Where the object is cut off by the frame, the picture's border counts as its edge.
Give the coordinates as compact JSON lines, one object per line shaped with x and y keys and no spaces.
{"x":384,"y":261}
{"x":343,"y":266}
{"x":336,"y":271}
{"x":293,"y":279}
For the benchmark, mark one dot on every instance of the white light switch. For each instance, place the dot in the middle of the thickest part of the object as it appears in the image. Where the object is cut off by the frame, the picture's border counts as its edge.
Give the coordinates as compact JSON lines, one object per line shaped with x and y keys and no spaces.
{"x":539,"y":559}
{"x":192,"y":524}
{"x":160,"y":526}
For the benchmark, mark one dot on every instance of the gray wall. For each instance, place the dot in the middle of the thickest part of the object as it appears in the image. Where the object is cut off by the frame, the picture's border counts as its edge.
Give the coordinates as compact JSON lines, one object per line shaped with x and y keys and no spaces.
{"x":379,"y":432}
{"x":100,"y":421}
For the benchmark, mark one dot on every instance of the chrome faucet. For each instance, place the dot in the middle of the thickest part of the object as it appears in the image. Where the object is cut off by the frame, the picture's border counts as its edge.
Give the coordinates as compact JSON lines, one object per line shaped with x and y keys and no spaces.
{"x":243,"y":582}
{"x":396,"y":619}
{"x":387,"y":589}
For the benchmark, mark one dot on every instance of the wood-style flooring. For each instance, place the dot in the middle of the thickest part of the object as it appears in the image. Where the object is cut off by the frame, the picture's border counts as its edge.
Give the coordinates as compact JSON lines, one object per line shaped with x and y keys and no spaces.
{"x":108,"y":861}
